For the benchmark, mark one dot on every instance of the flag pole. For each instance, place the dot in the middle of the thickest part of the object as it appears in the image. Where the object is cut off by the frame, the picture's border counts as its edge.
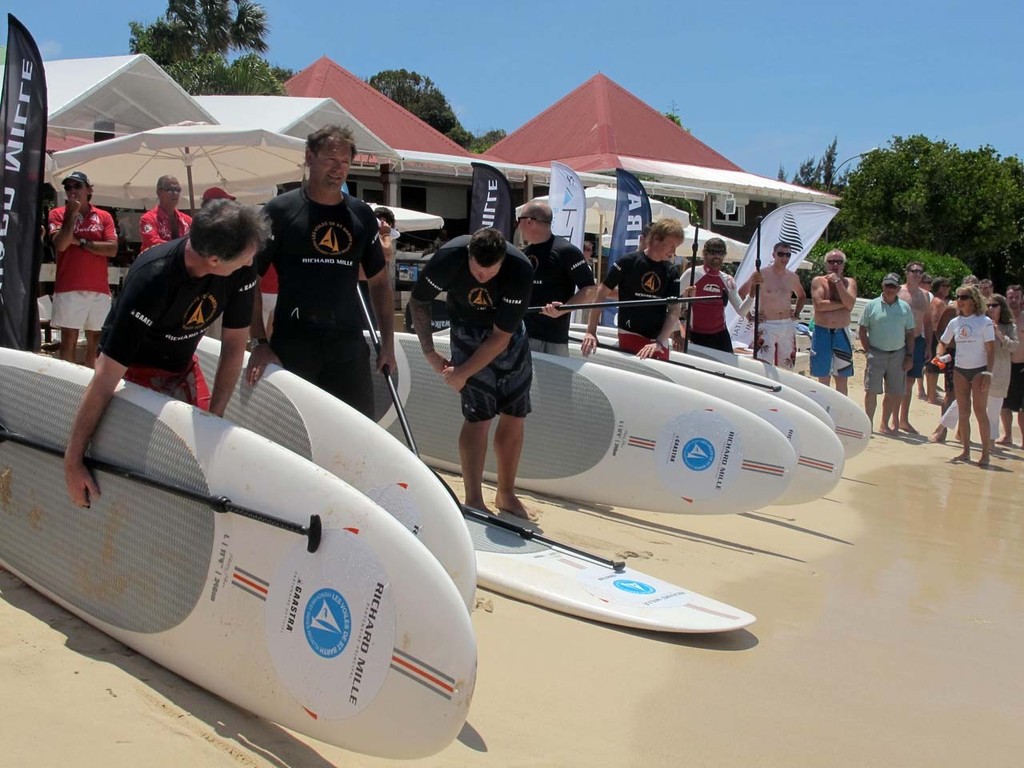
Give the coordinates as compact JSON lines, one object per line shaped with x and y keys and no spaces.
{"x":757,"y":288}
{"x":693,"y":278}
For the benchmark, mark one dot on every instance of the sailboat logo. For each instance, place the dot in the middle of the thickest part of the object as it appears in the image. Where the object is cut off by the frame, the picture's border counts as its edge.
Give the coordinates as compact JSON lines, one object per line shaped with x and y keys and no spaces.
{"x":698,"y":454}
{"x":328,"y":623}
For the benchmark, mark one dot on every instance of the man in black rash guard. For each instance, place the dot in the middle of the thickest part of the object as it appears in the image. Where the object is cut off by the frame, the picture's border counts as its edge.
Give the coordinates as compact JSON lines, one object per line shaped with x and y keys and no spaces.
{"x":172,"y":293}
{"x":645,"y":274}
{"x":559,"y":269}
{"x":320,"y":239}
{"x":488,"y":283}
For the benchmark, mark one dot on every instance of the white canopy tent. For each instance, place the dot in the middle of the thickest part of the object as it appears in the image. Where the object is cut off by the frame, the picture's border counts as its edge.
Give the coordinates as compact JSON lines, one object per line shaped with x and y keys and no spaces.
{"x":407,"y":220}
{"x":293,"y":116}
{"x":124,"y":171}
{"x":113,"y":94}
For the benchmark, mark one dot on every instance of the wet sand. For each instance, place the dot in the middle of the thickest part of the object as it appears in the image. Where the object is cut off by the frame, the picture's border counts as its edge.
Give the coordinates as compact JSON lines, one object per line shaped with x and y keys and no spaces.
{"x":890,"y":623}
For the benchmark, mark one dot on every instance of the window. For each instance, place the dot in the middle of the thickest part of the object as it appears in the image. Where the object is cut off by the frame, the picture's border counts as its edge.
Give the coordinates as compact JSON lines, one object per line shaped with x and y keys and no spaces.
{"x":737,"y":219}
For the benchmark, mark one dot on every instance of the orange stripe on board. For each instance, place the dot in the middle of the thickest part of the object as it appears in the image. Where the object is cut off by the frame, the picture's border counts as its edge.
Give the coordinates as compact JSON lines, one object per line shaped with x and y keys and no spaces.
{"x":250,"y":583}
{"x":423,"y":674}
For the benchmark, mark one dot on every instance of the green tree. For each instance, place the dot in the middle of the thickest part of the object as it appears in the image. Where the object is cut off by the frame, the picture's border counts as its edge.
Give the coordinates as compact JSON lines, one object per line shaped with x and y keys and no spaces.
{"x":818,"y":173}
{"x":484,"y":141}
{"x":919,"y":193}
{"x":418,"y":94}
{"x":194,"y":38}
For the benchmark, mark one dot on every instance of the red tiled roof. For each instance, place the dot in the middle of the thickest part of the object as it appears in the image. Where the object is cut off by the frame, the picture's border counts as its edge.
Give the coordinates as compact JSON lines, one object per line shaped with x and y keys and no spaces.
{"x":597,"y":122}
{"x":396,"y":126}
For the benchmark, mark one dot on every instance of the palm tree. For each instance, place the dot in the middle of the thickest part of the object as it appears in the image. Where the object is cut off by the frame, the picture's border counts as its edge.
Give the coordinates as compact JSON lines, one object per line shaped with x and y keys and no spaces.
{"x":209,"y":26}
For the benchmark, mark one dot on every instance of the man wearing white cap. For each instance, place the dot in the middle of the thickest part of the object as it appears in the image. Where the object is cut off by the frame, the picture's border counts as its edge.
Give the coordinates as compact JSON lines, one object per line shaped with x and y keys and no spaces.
{"x":85,"y":240}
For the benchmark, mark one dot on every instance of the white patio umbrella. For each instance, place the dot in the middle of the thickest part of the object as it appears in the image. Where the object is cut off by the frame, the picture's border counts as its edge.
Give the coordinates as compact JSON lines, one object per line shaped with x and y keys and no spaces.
{"x":245,"y":162}
{"x":601,"y":209}
{"x":408,"y":220}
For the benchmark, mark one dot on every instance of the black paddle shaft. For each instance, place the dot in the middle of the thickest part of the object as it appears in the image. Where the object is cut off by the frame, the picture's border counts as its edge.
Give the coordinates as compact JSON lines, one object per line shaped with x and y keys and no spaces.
{"x":313,"y":532}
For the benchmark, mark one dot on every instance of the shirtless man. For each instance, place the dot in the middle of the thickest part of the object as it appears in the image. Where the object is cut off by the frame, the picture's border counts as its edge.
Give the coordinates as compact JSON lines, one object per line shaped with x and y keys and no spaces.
{"x":1015,"y":394}
{"x":778,"y":318}
{"x":941,"y":314}
{"x":912,"y":293}
{"x":833,"y":296}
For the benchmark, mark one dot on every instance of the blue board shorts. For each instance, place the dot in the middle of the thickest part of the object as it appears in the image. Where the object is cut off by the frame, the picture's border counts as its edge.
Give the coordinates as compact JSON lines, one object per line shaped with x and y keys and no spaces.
{"x":917,"y":369}
{"x":827,"y":343}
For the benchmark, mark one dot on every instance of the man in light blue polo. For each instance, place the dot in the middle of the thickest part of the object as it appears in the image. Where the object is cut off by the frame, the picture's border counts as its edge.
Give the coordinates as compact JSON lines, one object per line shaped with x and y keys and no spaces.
{"x":887,"y":338}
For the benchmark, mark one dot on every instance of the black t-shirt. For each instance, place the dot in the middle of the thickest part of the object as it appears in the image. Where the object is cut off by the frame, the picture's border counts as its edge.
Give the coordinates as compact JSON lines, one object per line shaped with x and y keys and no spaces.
{"x":501,"y":301}
{"x":317,"y":251}
{"x":637,"y":277}
{"x":558,"y":270}
{"x":162,"y":312}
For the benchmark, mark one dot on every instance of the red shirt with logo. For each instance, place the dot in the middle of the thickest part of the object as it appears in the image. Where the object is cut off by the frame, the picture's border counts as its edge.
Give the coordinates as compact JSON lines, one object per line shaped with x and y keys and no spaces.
{"x":709,"y":316}
{"x":77,"y":268}
{"x":155,"y":227}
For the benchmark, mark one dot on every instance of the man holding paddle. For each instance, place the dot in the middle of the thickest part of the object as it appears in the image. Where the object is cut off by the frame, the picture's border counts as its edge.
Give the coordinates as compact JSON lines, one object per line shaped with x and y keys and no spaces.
{"x":645,"y":274}
{"x":171,"y":296}
{"x":488,"y":283}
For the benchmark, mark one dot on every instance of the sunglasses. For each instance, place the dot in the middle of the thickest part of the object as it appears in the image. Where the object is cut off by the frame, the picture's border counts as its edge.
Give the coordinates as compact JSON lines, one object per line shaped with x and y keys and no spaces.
{"x":833,"y":261}
{"x":783,"y":255}
{"x":915,"y":270}
{"x":993,"y":306}
{"x":963,"y":296}
{"x":73,"y":185}
{"x":172,"y":190}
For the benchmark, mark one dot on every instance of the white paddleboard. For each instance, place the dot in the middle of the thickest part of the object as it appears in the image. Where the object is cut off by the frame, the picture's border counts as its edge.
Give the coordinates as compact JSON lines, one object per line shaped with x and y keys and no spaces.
{"x":302,"y":417}
{"x":609,"y":336}
{"x":365,"y":643}
{"x":853,"y":428}
{"x":604,"y":436}
{"x":820,"y":456}
{"x":565,"y":582}
{"x":318,"y":425}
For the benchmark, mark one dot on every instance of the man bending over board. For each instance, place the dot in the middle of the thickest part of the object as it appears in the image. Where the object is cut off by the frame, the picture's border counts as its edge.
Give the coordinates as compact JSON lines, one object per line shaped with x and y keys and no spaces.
{"x":488,"y":283}
{"x":171,"y":295}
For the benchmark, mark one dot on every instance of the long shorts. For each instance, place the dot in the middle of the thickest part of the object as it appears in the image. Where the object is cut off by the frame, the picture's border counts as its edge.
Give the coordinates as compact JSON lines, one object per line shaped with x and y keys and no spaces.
{"x":885,"y":368}
{"x":189,"y":385}
{"x":721,"y":340}
{"x":1014,"y":399}
{"x":778,"y":343}
{"x":831,"y":353}
{"x":917,"y":369}
{"x":549,"y":347}
{"x":81,"y":310}
{"x":501,"y":387}
{"x":337,"y":362}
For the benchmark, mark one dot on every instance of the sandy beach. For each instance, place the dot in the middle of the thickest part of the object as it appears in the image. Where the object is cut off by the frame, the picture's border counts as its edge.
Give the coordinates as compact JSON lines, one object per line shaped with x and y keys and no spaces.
{"x":889,"y":622}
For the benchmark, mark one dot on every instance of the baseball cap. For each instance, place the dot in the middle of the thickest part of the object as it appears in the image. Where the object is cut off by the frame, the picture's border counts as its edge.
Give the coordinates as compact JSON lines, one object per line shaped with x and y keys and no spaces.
{"x":216,"y":193}
{"x":891,"y":279}
{"x":77,"y":176}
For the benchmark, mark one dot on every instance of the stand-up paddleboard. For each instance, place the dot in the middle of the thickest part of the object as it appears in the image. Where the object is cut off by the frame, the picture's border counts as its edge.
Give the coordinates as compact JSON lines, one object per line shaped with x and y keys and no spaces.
{"x":604,"y":436}
{"x":609,"y":336}
{"x":364,"y":643}
{"x":853,"y":428}
{"x":820,"y":456}
{"x":302,"y":417}
{"x":539,"y":574}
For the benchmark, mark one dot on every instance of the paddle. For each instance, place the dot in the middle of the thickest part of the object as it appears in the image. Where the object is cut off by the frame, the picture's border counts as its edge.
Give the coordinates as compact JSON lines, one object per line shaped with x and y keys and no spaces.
{"x":757,"y":288}
{"x":223,"y":504}
{"x":471,"y":512}
{"x":721,"y":374}
{"x":693,"y":278}
{"x":634,"y":303}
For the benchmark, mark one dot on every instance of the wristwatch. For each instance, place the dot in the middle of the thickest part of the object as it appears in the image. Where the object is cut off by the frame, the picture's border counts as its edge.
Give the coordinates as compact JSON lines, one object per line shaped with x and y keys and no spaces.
{"x":82,"y":242}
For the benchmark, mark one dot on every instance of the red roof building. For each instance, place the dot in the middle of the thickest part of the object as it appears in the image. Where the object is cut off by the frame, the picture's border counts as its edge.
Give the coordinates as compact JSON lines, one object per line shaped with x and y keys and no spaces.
{"x":590,"y":128}
{"x":396,"y":126}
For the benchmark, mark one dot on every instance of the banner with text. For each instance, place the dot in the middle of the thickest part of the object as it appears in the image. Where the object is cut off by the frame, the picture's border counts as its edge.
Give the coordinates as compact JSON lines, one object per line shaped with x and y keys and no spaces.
{"x":568,"y":204}
{"x":23,"y":125}
{"x":799,"y":225}
{"x":632,"y":214}
{"x":491,"y":203}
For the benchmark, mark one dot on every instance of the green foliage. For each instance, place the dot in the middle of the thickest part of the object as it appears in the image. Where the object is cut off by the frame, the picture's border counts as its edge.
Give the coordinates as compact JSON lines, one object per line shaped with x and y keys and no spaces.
{"x":919,"y":193}
{"x":868,"y":263}
{"x":485,"y":141}
{"x":818,"y":173}
{"x":418,"y":94}
{"x":211,"y":74}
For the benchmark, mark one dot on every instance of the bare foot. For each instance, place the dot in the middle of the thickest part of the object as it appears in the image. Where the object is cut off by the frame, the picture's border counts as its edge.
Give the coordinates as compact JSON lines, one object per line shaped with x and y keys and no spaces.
{"x":1005,"y":441}
{"x":887,"y":430}
{"x":513,"y":506}
{"x":479,"y":505}
{"x":983,"y":460}
{"x":965,"y":456}
{"x":938,"y":436}
{"x":909,"y":429}
{"x":934,"y":401}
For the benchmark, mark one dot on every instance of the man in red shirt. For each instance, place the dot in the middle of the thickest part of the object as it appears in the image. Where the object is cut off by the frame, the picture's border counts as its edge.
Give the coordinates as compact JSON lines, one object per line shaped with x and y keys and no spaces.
{"x":165,"y":222}
{"x":85,"y":240}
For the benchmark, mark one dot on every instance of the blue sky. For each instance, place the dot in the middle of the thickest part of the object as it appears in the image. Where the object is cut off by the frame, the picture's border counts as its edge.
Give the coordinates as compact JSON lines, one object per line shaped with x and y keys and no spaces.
{"x":763,"y":83}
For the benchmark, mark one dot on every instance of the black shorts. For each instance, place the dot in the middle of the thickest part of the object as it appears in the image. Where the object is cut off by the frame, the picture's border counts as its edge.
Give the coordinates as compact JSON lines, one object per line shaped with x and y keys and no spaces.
{"x":337,"y":362}
{"x":1014,"y":399}
{"x":721,"y":340}
{"x":504,"y":385}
